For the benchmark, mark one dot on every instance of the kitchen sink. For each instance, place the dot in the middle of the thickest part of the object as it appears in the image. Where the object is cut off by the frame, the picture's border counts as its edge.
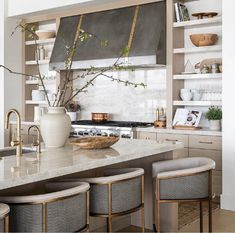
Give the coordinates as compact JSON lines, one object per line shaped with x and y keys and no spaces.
{"x":12,"y":151}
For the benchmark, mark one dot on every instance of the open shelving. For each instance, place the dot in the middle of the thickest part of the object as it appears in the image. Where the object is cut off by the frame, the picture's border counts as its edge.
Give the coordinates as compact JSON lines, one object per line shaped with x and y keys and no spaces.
{"x":41,"y":62}
{"x":45,"y":41}
{"x":197,"y":103}
{"x":205,"y":49}
{"x":216,"y":21}
{"x":197,"y":76}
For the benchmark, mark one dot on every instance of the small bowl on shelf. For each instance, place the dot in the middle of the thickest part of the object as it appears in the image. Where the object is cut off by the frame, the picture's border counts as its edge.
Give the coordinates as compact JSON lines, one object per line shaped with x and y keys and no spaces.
{"x":45,"y":34}
{"x":200,"y":40}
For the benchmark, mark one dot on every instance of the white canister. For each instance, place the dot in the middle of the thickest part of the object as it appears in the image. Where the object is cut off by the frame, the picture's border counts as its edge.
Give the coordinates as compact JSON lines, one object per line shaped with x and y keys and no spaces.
{"x":72,"y":115}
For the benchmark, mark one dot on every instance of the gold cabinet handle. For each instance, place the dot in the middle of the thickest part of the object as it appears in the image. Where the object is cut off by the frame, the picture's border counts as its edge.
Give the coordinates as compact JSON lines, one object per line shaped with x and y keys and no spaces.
{"x":172,"y":140}
{"x":208,"y":143}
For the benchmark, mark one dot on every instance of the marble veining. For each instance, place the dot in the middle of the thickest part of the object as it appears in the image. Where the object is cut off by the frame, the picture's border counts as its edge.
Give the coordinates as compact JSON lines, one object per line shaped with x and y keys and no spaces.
{"x":68,"y":160}
{"x":125,"y":103}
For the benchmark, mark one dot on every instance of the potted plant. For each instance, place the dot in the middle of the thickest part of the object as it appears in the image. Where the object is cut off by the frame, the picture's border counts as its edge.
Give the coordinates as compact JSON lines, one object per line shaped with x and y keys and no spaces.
{"x":214,"y":115}
{"x":56,"y":124}
{"x":72,"y":108}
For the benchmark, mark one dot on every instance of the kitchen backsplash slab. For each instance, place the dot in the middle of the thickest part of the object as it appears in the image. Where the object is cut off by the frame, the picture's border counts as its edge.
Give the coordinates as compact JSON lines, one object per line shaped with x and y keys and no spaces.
{"x":125,"y":103}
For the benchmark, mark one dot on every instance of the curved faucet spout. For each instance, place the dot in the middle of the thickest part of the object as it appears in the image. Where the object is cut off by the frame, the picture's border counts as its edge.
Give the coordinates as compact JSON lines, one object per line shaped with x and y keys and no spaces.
{"x":16,"y":142}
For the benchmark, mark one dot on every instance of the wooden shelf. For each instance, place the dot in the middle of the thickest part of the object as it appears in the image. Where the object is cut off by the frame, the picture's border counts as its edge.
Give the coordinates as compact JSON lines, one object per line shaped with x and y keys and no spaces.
{"x":41,"y":62}
{"x":45,"y":41}
{"x":37,"y":82}
{"x":32,"y":102}
{"x":204,"y":49}
{"x":197,"y":103}
{"x":216,"y":21}
{"x":197,"y":76}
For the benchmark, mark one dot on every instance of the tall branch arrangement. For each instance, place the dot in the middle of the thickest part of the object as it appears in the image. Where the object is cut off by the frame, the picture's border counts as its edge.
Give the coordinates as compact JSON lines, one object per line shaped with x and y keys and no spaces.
{"x":65,"y":90}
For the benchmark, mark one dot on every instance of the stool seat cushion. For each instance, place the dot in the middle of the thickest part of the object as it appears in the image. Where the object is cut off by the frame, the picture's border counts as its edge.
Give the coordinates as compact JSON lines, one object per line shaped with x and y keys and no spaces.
{"x":4,"y":210}
{"x":52,"y":191}
{"x":181,"y":167}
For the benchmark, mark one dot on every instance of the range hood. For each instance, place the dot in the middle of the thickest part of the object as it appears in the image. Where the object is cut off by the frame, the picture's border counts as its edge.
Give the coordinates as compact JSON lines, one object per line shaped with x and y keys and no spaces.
{"x":142,"y":27}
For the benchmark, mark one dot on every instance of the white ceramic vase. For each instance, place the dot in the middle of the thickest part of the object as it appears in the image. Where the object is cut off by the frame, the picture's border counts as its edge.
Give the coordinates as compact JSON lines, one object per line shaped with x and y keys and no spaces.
{"x":215,"y":125}
{"x":55,"y":127}
{"x":72,"y":115}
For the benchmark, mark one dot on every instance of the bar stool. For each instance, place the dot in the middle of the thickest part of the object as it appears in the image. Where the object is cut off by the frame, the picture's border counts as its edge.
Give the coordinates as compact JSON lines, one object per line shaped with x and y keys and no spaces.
{"x":4,"y":217}
{"x":184,"y":180}
{"x":119,"y":192}
{"x":55,"y":209}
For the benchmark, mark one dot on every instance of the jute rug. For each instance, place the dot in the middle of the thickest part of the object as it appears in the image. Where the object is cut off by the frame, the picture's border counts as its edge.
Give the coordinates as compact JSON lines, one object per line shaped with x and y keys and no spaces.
{"x":190,"y":212}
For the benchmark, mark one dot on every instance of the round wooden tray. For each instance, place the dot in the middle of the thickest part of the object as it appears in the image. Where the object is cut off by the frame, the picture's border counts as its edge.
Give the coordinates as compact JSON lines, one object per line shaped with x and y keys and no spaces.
{"x":94,"y":142}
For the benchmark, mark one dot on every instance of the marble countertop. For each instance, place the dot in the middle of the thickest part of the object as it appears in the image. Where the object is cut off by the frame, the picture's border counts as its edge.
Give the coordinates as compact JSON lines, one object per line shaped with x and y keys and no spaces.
{"x":203,"y":131}
{"x":68,"y":160}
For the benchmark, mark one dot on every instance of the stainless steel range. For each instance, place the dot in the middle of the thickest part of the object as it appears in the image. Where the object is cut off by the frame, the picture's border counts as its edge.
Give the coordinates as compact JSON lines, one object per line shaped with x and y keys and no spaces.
{"x":121,"y":129}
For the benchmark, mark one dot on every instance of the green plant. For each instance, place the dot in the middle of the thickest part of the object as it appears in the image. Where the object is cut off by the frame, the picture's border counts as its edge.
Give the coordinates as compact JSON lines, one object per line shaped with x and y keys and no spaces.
{"x":214,"y":113}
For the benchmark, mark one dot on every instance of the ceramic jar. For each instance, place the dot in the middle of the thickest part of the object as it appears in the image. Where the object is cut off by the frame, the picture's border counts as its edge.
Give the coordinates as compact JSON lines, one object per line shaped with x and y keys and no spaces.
{"x":55,"y":127}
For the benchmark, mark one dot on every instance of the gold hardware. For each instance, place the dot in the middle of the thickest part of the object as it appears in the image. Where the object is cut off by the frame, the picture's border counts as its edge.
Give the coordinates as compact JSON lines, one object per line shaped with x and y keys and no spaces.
{"x":6,"y":224}
{"x":137,"y":9}
{"x":18,"y":141}
{"x":36,"y":144}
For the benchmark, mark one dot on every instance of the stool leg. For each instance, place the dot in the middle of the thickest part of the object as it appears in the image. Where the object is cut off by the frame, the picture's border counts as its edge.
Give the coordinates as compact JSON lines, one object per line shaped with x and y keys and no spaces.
{"x":210,"y":215}
{"x":201,"y":216}
{"x":109,"y":224}
{"x":6,"y":224}
{"x":158,"y":217}
{"x":143,"y":220}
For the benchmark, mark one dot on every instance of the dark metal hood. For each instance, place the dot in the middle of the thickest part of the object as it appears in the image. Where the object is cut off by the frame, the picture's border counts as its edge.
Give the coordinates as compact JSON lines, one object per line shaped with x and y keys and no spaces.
{"x":148,"y":39}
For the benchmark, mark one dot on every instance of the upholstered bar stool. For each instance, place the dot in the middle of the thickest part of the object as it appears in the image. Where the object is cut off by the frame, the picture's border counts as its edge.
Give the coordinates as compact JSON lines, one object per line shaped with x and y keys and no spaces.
{"x":4,"y":218}
{"x":184,"y":180}
{"x":117,"y":193}
{"x":60,"y":207}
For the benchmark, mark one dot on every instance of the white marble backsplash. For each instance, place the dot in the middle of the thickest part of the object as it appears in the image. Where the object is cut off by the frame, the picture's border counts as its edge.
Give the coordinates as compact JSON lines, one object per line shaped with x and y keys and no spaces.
{"x":125,"y":103}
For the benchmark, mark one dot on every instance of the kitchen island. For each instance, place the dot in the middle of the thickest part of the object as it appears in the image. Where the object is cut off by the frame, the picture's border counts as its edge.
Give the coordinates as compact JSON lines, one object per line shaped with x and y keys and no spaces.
{"x":72,"y":161}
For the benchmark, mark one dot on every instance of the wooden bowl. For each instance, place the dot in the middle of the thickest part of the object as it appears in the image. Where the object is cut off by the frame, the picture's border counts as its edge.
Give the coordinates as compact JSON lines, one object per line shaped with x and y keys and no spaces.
{"x":204,"y":39}
{"x":94,"y":142}
{"x":45,"y":34}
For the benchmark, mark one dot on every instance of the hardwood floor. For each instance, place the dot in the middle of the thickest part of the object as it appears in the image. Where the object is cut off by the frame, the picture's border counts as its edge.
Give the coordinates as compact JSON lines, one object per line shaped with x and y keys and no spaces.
{"x":223,"y":221}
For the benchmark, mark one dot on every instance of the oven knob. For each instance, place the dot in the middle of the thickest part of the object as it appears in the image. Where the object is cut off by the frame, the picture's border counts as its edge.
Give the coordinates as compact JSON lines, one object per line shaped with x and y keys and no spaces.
{"x":85,"y":133}
{"x":93,"y":132}
{"x":80,"y":133}
{"x":104,"y":134}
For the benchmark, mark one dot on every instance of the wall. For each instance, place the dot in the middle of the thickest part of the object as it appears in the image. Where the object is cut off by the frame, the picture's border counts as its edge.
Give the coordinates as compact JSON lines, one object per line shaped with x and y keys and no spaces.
{"x":228,"y":197}
{"x":10,"y":56}
{"x":125,"y":103}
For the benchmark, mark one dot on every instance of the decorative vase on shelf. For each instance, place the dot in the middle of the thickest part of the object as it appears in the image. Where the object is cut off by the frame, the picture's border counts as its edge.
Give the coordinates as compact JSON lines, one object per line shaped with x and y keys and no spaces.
{"x":215,"y":125}
{"x":55,"y":127}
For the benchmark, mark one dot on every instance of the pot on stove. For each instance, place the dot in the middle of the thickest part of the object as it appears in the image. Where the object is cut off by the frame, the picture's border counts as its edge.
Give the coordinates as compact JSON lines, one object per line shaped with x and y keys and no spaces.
{"x":99,"y":117}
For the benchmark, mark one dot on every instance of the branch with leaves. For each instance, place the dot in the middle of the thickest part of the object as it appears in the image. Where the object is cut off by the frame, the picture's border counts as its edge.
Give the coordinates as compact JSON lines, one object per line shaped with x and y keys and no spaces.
{"x":65,"y":91}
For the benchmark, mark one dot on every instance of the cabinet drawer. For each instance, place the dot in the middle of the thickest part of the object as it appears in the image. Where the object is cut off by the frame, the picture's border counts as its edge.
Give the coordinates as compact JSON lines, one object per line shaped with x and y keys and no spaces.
{"x":147,"y":136}
{"x":180,"y":153}
{"x":205,"y":142}
{"x":173,"y":137}
{"x":212,"y":154}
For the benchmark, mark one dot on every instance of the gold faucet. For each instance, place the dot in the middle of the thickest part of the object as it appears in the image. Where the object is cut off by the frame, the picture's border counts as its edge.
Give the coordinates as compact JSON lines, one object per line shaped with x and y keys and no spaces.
{"x":16,"y":142}
{"x":37,"y":144}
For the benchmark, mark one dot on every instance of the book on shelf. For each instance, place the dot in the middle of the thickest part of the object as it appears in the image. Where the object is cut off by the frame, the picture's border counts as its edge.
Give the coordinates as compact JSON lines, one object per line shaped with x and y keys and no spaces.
{"x":185,"y":117}
{"x":181,"y":12}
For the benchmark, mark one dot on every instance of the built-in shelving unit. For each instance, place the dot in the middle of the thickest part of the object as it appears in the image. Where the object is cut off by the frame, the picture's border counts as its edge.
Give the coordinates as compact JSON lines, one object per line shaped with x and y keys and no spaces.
{"x":31,"y":65}
{"x":180,"y":50}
